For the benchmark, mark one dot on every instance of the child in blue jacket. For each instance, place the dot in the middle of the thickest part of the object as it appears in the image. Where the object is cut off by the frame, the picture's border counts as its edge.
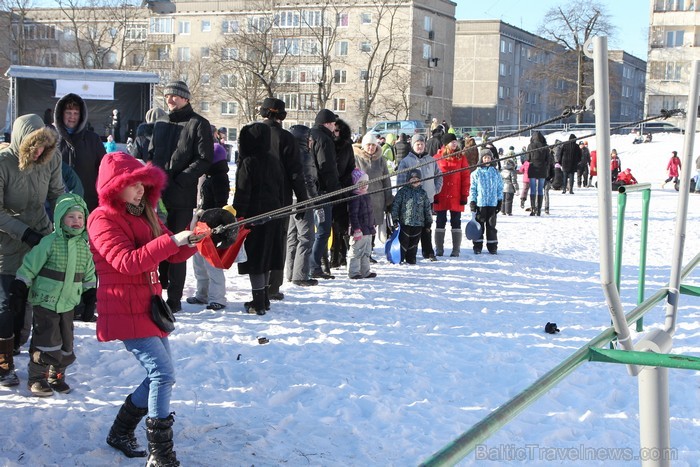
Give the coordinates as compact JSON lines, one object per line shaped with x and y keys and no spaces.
{"x":485,"y":199}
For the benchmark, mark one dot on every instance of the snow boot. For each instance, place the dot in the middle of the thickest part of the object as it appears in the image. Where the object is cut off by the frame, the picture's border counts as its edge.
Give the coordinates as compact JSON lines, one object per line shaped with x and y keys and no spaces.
{"x":121,"y":435}
{"x":159,"y":432}
{"x":456,"y":242}
{"x":533,"y":205}
{"x":539,"y":205}
{"x":439,"y":242}
{"x":57,"y":379}
{"x":257,"y":305}
{"x":8,"y":377}
{"x":37,"y":384}
{"x":522,"y":203}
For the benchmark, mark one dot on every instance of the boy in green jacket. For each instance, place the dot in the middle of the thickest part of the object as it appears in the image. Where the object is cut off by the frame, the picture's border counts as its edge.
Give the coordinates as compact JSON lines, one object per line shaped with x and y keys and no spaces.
{"x":53,"y":277}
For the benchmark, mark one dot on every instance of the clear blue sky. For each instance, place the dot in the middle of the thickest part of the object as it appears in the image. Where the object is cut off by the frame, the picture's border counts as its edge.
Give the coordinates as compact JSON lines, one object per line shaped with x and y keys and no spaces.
{"x":631,"y":18}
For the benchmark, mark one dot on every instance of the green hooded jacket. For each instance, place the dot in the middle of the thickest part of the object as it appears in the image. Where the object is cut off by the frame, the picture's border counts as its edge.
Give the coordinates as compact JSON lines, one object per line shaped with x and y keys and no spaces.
{"x":60,"y":268}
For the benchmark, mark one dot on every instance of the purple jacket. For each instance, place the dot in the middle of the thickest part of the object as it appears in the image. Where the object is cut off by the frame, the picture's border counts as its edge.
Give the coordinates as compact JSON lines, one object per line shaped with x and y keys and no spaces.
{"x":360,"y":210}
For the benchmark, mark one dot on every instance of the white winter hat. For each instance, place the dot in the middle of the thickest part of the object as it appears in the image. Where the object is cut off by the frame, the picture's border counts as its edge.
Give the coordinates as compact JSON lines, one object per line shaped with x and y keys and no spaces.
{"x":370,"y":138}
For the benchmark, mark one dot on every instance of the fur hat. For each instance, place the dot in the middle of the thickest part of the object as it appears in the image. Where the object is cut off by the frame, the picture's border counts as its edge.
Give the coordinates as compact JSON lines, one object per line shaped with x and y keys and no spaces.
{"x":177,"y":88}
{"x":370,"y":138}
{"x":325,"y":116}
{"x":358,"y":176}
{"x":447,"y":138}
{"x":273,"y":108}
{"x":118,"y":170}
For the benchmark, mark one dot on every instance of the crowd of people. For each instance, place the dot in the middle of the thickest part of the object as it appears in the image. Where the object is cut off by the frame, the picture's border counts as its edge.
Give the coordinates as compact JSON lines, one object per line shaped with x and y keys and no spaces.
{"x":89,"y":232}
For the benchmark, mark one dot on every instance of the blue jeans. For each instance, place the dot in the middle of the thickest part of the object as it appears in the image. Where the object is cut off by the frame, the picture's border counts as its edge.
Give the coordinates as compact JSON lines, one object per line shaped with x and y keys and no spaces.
{"x":154,"y":392}
{"x":536,"y":186}
{"x":323,"y":233}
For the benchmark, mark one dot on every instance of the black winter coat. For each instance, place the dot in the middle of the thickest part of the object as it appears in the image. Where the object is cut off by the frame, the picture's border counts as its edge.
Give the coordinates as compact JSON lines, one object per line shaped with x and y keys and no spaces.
{"x":284,"y":147}
{"x":144,"y":132}
{"x":323,"y":150}
{"x":83,"y":150}
{"x":259,"y":186}
{"x":184,"y":148}
{"x":570,"y":155}
{"x":539,"y":156}
{"x":215,"y":188}
{"x":402,"y":150}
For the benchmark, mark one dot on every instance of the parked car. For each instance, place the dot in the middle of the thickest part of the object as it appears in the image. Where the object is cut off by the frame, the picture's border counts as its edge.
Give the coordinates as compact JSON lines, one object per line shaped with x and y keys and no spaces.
{"x":655,"y":127}
{"x":397,"y":127}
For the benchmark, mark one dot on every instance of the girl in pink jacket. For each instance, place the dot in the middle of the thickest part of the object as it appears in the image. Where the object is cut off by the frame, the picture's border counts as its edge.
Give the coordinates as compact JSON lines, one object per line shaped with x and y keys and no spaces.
{"x":673,"y":169}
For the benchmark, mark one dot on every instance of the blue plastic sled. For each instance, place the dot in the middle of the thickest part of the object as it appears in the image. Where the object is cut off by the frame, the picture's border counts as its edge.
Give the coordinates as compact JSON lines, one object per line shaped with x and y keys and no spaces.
{"x":473,"y":230}
{"x":392,"y":247}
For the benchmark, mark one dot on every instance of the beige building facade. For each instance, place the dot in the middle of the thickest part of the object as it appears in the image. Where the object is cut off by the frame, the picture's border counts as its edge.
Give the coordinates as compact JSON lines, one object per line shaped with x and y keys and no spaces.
{"x":383,"y":60}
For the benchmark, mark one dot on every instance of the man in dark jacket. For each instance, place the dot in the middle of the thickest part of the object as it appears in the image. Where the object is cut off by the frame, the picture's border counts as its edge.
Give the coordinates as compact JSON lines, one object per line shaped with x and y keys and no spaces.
{"x":323,"y":151}
{"x":582,"y":169}
{"x":79,"y":147}
{"x":402,"y":147}
{"x":345,"y":159}
{"x":183,"y":147}
{"x":570,"y":157}
{"x":284,"y":147}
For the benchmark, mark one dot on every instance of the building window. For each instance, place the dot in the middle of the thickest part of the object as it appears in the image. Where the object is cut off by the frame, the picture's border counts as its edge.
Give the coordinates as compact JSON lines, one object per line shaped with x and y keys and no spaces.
{"x":285,"y":46}
{"x":163,"y":53}
{"x":205,"y":52}
{"x":183,"y":27}
{"x":137,"y":59}
{"x":674,"y":39}
{"x":309,"y":74}
{"x":135,"y":33}
{"x":342,"y":20}
{"x":258,"y":24}
{"x":183,"y":54}
{"x":206,"y":25}
{"x":229,"y":27}
{"x":287,"y":19}
{"x":361,"y":104}
{"x":308,"y":102}
{"x":503,"y":46}
{"x":365,"y":18}
{"x":310,"y":47}
{"x":161,"y":26}
{"x":366,"y":47}
{"x":428,"y":23}
{"x":341,"y":48}
{"x":502,"y":69}
{"x":229,"y":108}
{"x":340,"y":76}
{"x":364,"y":75}
{"x":229,"y":53}
{"x":204,"y":106}
{"x":228,"y":81}
{"x":501,"y":92}
{"x":312,"y":18}
{"x":339,"y":104}
{"x":206,"y":79}
{"x":425,"y":108}
{"x":427,"y":51}
{"x":287,"y":74}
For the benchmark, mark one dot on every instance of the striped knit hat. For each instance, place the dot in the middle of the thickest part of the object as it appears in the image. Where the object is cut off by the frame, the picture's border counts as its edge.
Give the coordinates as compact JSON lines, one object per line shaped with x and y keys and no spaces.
{"x":177,"y":88}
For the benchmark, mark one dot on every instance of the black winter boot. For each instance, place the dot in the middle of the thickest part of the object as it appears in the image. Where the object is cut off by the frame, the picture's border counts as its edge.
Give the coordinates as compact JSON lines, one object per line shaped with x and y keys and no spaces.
{"x":533,"y":205}
{"x":539,"y":205}
{"x":159,"y":432}
{"x":121,"y":435}
{"x":257,"y":306}
{"x":8,"y":376}
{"x":37,"y":383}
{"x":57,"y":379}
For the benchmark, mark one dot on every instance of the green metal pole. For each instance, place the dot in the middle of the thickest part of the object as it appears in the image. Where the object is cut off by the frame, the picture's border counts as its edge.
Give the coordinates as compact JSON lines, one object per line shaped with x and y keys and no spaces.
{"x":621,"y":204}
{"x":646,"y":197}
{"x":628,"y":357}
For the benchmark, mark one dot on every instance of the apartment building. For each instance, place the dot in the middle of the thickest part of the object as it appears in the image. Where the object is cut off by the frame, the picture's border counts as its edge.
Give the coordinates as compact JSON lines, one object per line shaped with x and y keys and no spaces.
{"x":508,"y":77}
{"x":365,"y":60}
{"x":674,"y":40}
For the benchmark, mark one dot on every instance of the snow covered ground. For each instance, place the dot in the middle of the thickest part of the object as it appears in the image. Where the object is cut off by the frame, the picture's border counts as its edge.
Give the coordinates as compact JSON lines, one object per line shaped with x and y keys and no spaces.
{"x":387,"y":371}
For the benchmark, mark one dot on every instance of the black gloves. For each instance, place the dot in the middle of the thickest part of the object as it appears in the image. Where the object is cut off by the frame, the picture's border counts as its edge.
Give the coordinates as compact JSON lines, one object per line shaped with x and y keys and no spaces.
{"x":18,"y":297}
{"x":89,"y":300}
{"x":299,"y":215}
{"x":463,"y":200}
{"x":396,"y":225}
{"x":472,"y":206}
{"x":31,"y":237}
{"x":498,"y":206}
{"x":387,"y":209}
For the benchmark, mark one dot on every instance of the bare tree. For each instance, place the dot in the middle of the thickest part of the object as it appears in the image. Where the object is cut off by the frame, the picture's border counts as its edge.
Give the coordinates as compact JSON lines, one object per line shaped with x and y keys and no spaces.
{"x":385,"y":48}
{"x":99,"y":30}
{"x":571,"y":25}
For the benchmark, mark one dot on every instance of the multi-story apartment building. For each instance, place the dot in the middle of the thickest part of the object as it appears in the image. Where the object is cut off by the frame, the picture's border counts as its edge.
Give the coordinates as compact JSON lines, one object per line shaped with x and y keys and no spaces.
{"x":507,"y":77}
{"x":365,"y":60}
{"x":674,"y":40}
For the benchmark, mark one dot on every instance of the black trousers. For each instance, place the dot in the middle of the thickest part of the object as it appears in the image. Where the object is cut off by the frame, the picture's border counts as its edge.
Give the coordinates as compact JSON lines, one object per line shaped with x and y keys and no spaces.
{"x":409,"y":238}
{"x":172,"y":275}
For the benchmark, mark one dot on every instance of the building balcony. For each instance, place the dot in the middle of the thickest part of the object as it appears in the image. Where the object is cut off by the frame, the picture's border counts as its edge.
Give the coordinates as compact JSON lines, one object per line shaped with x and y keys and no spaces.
{"x":160,"y":38}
